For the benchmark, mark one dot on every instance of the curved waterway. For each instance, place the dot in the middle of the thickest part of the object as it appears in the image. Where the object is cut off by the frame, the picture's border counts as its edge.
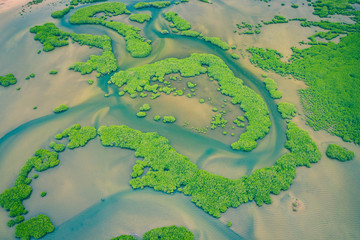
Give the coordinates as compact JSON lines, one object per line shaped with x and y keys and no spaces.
{"x":88,"y":194}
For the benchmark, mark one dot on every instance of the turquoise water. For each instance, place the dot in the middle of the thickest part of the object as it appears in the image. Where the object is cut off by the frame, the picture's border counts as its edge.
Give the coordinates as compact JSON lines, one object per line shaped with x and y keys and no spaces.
{"x":88,"y":193}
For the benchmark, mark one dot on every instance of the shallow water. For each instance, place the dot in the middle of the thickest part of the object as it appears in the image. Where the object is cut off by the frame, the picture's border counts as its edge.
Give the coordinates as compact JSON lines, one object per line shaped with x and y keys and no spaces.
{"x":89,"y":196}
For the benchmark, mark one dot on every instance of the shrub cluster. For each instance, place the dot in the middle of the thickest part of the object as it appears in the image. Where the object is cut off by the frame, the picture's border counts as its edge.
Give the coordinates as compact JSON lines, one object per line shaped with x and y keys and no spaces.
{"x":287,"y":110}
{"x":135,"y":44}
{"x":50,"y":36}
{"x":158,"y":4}
{"x":179,"y":23}
{"x":336,"y":152}
{"x":140,"y":79}
{"x":8,"y":79}
{"x":140,"y":18}
{"x":170,"y":171}
{"x":331,"y":100}
{"x":272,"y":87}
{"x":61,"y":108}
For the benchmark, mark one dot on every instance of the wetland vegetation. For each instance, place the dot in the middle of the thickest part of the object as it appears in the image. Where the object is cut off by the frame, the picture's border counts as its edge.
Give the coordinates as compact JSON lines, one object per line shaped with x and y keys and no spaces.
{"x":339,"y":153}
{"x":327,"y":63}
{"x":7,"y":80}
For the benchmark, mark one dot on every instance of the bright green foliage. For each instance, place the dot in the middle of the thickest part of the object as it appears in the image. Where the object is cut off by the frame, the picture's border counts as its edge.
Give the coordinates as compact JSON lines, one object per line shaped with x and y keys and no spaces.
{"x":248,"y":29}
{"x":229,"y":224}
{"x":331,"y":100}
{"x":217,"y":42}
{"x":8,"y":79}
{"x":19,"y":219}
{"x":164,"y":32}
{"x":61,"y":108}
{"x":43,"y":194}
{"x":287,"y":110}
{"x":268,"y":59}
{"x":104,"y":64}
{"x":190,"y":33}
{"x":157,"y":117}
{"x":179,"y":23}
{"x":76,"y":2}
{"x":169,"y":119}
{"x":141,"y":114}
{"x":50,"y":36}
{"x":158,"y":4}
{"x":179,"y":92}
{"x":214,"y":109}
{"x":135,"y":44}
{"x":90,"y":82}
{"x":201,"y":100}
{"x":191,"y":85}
{"x":53,"y":72}
{"x":218,"y":121}
{"x":170,"y":171}
{"x":58,"y":147}
{"x":42,"y":161}
{"x":11,"y":199}
{"x":235,"y":56}
{"x":252,"y":104}
{"x":78,"y":136}
{"x":34,"y":2}
{"x":32,"y":75}
{"x":58,"y":136}
{"x":169,"y":233}
{"x":165,"y":233}
{"x":11,"y":223}
{"x":272,"y":87}
{"x":145,"y":107}
{"x":36,"y":227}
{"x":294,"y":5}
{"x":277,"y":19}
{"x":324,"y":8}
{"x":61,"y":13}
{"x":239,"y":121}
{"x":140,"y":18}
{"x":124,"y":237}
{"x":336,"y":152}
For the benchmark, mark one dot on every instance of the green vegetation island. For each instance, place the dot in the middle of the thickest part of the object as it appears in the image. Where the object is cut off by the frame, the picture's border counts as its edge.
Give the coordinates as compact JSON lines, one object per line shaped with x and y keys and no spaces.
{"x":168,"y":171}
{"x":334,"y":151}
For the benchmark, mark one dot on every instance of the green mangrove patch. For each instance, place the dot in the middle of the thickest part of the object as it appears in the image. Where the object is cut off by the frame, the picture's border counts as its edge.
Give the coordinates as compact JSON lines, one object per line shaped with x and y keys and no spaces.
{"x":51,"y":36}
{"x":138,"y":79}
{"x":272,"y":87}
{"x":331,"y":100}
{"x":334,"y":151}
{"x":158,"y":4}
{"x":61,"y":108}
{"x":178,"y":22}
{"x":36,"y":227}
{"x":166,"y":233}
{"x":7,"y":80}
{"x":287,"y":110}
{"x":135,"y":44}
{"x":140,"y":18}
{"x":170,"y":171}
